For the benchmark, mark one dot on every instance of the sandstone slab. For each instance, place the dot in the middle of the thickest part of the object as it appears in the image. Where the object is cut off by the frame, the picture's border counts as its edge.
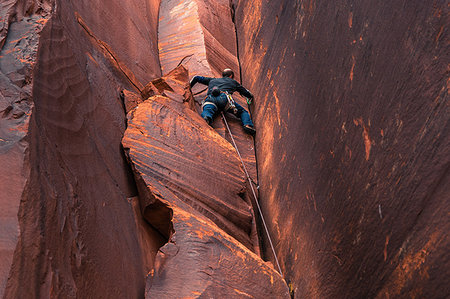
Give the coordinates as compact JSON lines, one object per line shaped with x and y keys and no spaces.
{"x":193,"y":191}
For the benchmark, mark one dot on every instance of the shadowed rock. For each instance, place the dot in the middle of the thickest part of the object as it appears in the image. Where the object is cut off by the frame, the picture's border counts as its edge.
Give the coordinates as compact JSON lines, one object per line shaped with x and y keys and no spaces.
{"x":78,"y":231}
{"x":20,"y":25}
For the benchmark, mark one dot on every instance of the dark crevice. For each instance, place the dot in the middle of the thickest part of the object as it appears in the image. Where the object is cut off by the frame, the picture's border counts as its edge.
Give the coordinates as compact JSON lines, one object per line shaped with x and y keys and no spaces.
{"x":122,"y":100}
{"x":258,"y":218}
{"x":233,"y":19}
{"x":158,"y":216}
{"x":156,"y":213}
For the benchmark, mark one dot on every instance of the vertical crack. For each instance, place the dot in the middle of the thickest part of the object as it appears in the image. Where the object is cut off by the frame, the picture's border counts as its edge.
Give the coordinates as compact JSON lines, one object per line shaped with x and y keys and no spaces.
{"x":233,"y":19}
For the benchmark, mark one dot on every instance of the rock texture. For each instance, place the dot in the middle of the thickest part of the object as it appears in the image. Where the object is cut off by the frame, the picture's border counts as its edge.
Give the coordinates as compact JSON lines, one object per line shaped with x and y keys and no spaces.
{"x":353,"y":142}
{"x":206,"y":44}
{"x":20,"y":25}
{"x":201,"y":31}
{"x":78,"y":232}
{"x":81,"y":226}
{"x":193,"y":191}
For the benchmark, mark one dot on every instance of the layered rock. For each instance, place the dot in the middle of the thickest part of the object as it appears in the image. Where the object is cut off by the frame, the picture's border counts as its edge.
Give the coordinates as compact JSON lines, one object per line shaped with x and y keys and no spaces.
{"x":353,"y":142}
{"x":193,"y":191}
{"x":80,"y":218}
{"x":79,"y":227}
{"x":205,"y":42}
{"x":200,"y":31}
{"x":352,"y":135}
{"x":190,"y":174}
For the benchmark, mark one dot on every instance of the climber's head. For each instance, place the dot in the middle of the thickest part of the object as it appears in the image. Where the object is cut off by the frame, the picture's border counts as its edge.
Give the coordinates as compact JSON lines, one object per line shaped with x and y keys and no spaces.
{"x":228,"y":73}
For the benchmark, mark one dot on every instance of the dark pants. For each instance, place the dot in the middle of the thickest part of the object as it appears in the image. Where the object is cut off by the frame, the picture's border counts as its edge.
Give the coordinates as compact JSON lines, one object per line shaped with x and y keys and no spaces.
{"x":210,"y":111}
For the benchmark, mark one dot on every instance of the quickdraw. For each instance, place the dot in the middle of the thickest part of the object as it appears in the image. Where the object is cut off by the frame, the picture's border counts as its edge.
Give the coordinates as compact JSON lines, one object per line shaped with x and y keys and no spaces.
{"x":231,"y":105}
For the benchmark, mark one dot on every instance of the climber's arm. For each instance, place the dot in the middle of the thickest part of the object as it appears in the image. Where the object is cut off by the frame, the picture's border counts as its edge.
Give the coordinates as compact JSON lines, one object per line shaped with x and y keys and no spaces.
{"x":200,"y":79}
{"x":244,"y":92}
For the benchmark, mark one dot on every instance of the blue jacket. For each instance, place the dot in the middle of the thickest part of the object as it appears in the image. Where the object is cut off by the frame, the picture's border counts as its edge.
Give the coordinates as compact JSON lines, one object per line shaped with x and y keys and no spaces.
{"x":224,"y":84}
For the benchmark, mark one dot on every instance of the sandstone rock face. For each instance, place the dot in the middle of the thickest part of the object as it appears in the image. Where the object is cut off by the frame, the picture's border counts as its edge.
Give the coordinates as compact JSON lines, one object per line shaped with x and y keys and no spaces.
{"x":206,"y":44}
{"x":201,"y":31}
{"x":353,"y":142}
{"x":81,"y":221}
{"x":78,"y":232}
{"x":193,"y":191}
{"x":20,"y":25}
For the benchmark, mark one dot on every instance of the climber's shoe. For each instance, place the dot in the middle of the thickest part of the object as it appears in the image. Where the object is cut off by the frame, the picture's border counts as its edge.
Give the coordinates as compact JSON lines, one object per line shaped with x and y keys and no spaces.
{"x":208,"y":120}
{"x":249,"y":130}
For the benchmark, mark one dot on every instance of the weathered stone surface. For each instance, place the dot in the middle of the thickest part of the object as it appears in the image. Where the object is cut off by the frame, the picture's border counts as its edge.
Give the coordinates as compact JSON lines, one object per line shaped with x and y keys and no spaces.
{"x":353,"y":142}
{"x":20,"y":26}
{"x":129,"y":29}
{"x":131,"y":100}
{"x":353,"y":146}
{"x":193,"y":191}
{"x":203,"y":168}
{"x":78,"y":232}
{"x":205,"y":31}
{"x":206,"y":263}
{"x":202,"y":32}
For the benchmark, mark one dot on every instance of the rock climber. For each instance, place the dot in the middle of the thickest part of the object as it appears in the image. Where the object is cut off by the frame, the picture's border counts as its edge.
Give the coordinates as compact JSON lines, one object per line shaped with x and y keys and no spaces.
{"x":219,"y":98}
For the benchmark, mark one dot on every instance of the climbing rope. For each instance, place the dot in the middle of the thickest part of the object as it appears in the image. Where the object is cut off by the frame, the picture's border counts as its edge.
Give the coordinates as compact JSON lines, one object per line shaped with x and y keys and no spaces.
{"x":254,"y":195}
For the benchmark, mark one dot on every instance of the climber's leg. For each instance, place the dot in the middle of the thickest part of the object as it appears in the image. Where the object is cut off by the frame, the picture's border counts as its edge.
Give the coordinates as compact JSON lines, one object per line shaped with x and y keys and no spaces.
{"x":209,"y":110}
{"x":243,"y":115}
{"x":245,"y":118}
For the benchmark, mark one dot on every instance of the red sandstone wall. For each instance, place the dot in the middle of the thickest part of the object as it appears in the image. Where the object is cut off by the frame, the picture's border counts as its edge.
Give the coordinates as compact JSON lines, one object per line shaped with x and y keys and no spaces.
{"x":20,"y":25}
{"x":353,"y":142}
{"x":352,"y":120}
{"x":81,"y":234}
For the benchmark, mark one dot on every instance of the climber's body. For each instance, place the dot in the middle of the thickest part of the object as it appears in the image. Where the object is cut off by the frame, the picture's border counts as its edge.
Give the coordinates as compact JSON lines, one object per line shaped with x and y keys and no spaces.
{"x":217,"y":98}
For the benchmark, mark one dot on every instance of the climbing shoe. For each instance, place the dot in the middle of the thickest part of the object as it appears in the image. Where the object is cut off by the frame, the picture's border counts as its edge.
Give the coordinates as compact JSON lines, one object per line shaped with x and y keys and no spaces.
{"x":208,"y":120}
{"x":249,"y":130}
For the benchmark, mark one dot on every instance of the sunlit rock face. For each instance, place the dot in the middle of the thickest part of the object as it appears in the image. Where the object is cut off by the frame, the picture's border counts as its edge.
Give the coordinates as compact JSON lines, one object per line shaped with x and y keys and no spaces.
{"x":192,"y":186}
{"x":82,"y":233}
{"x":205,"y":42}
{"x":202,"y":31}
{"x":193,"y":191}
{"x":352,"y":143}
{"x":80,"y":229}
{"x":352,"y":140}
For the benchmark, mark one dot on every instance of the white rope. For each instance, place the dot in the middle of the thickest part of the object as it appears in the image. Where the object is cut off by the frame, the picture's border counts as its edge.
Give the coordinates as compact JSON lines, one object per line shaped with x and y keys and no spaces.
{"x":254,"y":195}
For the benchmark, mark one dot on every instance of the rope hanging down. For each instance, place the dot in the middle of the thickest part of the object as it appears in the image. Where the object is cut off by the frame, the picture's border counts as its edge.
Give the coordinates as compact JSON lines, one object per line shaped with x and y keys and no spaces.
{"x":254,"y":195}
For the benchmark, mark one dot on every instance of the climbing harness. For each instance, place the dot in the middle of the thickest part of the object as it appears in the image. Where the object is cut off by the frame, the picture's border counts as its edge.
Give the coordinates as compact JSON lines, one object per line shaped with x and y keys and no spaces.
{"x":231,"y":105}
{"x":254,"y":194}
